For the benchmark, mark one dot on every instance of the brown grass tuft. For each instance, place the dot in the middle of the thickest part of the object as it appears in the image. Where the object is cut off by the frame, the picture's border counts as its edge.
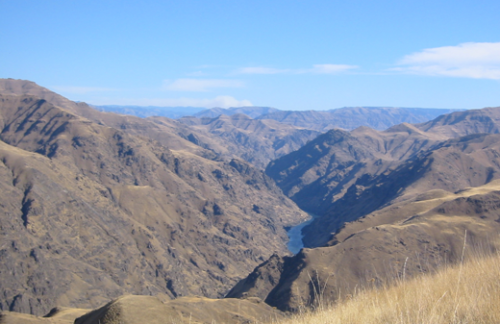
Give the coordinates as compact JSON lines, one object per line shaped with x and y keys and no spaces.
{"x":465,"y":293}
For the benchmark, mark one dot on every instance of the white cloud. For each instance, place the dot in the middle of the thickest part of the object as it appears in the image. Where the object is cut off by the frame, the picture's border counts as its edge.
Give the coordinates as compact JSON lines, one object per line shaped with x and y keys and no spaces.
{"x":200,"y":85}
{"x":79,"y":90}
{"x":467,"y":60}
{"x":316,"y":69}
{"x":219,"y":101}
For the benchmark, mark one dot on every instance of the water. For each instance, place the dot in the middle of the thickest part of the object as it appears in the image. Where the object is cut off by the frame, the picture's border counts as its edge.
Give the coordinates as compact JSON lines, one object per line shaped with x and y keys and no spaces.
{"x":295,"y":236}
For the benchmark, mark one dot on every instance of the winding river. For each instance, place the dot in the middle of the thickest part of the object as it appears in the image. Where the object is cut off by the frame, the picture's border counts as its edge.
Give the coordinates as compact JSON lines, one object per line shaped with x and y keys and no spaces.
{"x":295,"y":235}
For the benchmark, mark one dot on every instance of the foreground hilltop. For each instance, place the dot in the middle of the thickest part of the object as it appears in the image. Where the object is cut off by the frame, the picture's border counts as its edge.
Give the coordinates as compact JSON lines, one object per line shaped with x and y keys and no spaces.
{"x":152,"y":310}
{"x":90,"y":211}
{"x":460,"y":293}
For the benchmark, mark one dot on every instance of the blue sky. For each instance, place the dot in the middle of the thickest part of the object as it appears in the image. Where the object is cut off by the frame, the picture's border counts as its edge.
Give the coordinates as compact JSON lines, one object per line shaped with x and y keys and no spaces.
{"x":295,"y":55}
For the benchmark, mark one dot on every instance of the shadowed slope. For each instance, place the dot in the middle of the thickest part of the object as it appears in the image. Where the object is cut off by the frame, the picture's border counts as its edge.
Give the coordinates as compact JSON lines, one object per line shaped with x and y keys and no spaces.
{"x":90,"y":212}
{"x":411,"y":237}
{"x":341,"y":176}
{"x":388,"y":202}
{"x":464,"y":293}
{"x":255,"y":141}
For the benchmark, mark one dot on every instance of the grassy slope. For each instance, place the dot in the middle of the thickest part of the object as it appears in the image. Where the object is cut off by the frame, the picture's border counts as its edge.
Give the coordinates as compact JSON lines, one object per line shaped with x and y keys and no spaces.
{"x":465,"y":293}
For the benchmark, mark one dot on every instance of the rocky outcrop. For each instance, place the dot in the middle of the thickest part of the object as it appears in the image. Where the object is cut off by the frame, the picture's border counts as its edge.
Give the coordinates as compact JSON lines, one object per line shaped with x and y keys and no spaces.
{"x":256,"y":141}
{"x":435,"y":229}
{"x":91,"y":212}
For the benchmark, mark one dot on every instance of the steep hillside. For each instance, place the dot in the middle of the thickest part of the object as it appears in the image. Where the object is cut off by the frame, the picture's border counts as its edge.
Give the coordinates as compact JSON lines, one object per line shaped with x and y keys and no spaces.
{"x":322,"y":171}
{"x":96,"y":205}
{"x":24,"y":87}
{"x":342,"y":176}
{"x":392,"y":202}
{"x":222,"y":137}
{"x":90,"y":212}
{"x":463,"y":123}
{"x":255,"y":141}
{"x":417,"y":236}
{"x":459,"y":293}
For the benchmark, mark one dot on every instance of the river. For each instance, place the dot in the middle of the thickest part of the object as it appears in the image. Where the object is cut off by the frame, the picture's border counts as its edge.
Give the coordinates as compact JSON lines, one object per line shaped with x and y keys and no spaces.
{"x":295,"y":235}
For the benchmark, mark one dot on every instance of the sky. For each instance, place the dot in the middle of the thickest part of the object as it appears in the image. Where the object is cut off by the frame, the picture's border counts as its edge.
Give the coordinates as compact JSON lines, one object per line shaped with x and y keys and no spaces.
{"x":291,"y":55}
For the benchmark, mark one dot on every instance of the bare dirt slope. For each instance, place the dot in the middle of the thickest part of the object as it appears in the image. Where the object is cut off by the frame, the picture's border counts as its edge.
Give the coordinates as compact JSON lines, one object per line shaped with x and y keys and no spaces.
{"x":90,"y":212}
{"x":389,"y":204}
{"x":463,"y":123}
{"x":255,"y":141}
{"x":401,"y":240}
{"x":222,"y":137}
{"x":24,"y":87}
{"x":341,"y":176}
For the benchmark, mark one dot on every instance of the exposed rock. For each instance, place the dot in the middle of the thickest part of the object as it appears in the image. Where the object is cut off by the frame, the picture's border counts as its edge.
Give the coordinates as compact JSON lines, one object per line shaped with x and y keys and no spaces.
{"x":261,"y":281}
{"x":393,"y":243}
{"x":341,"y":176}
{"x":255,"y":141}
{"x":91,"y":212}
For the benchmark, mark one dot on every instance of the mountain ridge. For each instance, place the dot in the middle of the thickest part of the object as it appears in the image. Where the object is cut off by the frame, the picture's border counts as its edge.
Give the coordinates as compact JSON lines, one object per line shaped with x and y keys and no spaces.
{"x":122,"y":213}
{"x":384,"y":200}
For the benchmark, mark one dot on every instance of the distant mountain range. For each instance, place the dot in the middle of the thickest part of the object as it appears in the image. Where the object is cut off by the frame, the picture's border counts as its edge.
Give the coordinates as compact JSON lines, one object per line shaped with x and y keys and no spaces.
{"x":387,"y":202}
{"x":252,"y":112}
{"x":148,"y":111}
{"x":347,"y":118}
{"x":96,"y":205}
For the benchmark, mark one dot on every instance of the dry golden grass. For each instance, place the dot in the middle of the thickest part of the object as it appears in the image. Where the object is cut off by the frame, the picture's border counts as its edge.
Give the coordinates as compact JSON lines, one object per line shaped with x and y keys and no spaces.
{"x":464,"y":293}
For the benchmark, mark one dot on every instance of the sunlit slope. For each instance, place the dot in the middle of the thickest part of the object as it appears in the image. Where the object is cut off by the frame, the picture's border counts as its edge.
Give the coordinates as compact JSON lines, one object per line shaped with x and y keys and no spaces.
{"x":90,"y":212}
{"x":462,"y":293}
{"x":341,"y":176}
{"x":416,"y":236}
